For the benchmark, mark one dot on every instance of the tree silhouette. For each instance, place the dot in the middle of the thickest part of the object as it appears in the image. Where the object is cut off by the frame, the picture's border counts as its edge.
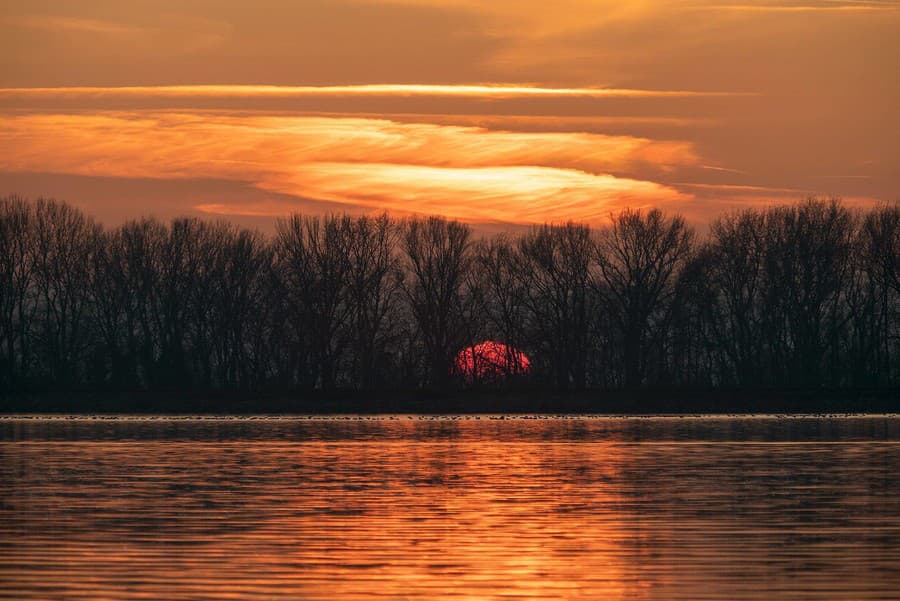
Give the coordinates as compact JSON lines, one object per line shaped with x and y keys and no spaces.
{"x":555,"y":271}
{"x":736,"y":274}
{"x":18,"y":305}
{"x":801,"y":296}
{"x":640,"y":258}
{"x":375,"y":278}
{"x":439,"y":257}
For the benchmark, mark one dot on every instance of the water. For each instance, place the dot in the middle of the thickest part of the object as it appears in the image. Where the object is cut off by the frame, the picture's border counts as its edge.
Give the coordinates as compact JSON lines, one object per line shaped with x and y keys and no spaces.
{"x":409,"y":508}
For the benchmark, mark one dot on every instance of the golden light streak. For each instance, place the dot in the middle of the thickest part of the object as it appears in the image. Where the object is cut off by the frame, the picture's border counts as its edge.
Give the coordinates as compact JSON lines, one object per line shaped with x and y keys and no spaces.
{"x":517,"y":194}
{"x":796,"y":192}
{"x":515,"y":122}
{"x":396,"y":90}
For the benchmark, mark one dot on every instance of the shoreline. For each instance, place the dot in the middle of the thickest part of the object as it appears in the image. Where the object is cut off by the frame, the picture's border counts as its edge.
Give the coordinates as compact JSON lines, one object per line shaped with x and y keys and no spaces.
{"x":678,"y":402}
{"x":126,"y":417}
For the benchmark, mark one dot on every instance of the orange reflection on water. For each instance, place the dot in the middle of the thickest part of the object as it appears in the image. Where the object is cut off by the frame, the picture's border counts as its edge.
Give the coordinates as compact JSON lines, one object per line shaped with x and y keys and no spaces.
{"x":318,"y":520}
{"x":542,"y":509}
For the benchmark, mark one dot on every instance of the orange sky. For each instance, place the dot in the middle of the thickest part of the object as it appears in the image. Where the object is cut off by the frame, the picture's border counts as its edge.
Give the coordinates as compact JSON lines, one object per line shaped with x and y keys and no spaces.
{"x":493,"y":112}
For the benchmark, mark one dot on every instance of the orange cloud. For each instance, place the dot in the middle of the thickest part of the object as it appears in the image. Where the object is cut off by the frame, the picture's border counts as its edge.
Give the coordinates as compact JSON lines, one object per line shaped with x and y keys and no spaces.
{"x":395,"y":90}
{"x":802,"y":8}
{"x":142,"y":144}
{"x":519,"y":194}
{"x":539,"y":19}
{"x":466,"y":172}
{"x":80,"y":25}
{"x":164,"y":34}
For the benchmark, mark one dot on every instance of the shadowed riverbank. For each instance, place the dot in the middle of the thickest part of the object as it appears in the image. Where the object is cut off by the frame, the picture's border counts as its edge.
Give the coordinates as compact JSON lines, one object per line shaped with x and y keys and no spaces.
{"x":643,"y":402}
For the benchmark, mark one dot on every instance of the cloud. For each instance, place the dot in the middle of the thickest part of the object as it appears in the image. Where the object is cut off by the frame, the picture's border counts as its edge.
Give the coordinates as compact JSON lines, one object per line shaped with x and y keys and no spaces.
{"x":75,"y":24}
{"x":467,"y":172}
{"x":388,"y":90}
{"x":508,"y":18}
{"x":517,"y":194}
{"x":162,"y":34}
{"x":811,"y":7}
{"x":620,"y":43}
{"x":771,"y":94}
{"x":169,"y":140}
{"x":744,"y":188}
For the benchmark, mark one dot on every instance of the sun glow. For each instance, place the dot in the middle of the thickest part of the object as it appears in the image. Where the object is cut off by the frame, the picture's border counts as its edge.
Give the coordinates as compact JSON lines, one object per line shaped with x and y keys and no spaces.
{"x":492,"y":360}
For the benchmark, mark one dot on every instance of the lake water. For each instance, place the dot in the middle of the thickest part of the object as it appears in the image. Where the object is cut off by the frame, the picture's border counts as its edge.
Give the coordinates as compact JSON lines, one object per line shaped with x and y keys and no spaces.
{"x":450,"y":508}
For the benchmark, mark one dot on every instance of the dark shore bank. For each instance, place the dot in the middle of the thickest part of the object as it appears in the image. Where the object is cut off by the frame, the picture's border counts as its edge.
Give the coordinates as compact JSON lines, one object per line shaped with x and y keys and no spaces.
{"x":648,"y":401}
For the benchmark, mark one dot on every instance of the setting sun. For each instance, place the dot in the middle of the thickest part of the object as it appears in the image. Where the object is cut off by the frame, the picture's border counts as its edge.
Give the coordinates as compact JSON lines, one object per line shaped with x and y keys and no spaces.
{"x":491,"y":360}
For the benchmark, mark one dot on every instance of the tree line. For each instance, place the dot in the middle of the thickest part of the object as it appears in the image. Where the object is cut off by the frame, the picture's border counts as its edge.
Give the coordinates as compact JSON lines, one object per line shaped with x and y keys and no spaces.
{"x":802,"y":296}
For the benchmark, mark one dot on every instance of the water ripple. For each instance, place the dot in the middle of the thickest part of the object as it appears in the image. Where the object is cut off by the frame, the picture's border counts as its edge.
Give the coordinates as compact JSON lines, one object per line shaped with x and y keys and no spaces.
{"x":470,"y":509}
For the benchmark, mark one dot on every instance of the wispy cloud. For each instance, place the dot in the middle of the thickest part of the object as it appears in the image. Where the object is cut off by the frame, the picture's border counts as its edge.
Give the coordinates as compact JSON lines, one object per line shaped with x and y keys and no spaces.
{"x":448,"y":90}
{"x":847,"y":176}
{"x":484,"y":194}
{"x":281,"y":141}
{"x":466,"y":172}
{"x":540,"y":19}
{"x":741,"y":188}
{"x":77,"y":24}
{"x":845,"y":7}
{"x":517,"y":122}
{"x":162,"y":33}
{"x":518,"y":194}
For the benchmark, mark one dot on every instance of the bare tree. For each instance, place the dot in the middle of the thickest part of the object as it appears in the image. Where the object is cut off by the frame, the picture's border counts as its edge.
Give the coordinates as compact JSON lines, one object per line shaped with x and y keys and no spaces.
{"x":240,"y":321}
{"x":313,"y":263}
{"x":137,"y":252}
{"x":63,"y":245}
{"x":808,"y":270}
{"x":374,"y":280}
{"x":691,"y":347}
{"x":17,"y":290}
{"x":639,"y":257}
{"x":875,"y":298}
{"x":499,"y":271}
{"x":736,"y":273}
{"x":555,"y":271}
{"x":439,"y":259}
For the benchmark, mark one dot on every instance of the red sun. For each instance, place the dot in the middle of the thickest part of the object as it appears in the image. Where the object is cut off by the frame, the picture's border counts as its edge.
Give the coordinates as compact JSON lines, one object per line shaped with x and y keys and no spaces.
{"x":491,"y":360}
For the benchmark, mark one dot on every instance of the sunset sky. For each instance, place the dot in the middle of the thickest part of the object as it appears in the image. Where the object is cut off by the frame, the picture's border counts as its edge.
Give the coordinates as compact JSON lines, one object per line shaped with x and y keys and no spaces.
{"x":500,"y":112}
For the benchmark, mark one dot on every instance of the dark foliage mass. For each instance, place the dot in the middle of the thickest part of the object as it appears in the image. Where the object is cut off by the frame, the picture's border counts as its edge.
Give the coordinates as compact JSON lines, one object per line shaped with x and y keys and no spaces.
{"x":803,"y":296}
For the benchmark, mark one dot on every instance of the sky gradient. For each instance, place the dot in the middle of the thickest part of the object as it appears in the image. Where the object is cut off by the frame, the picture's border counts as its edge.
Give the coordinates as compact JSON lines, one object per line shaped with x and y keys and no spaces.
{"x":507,"y":112}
